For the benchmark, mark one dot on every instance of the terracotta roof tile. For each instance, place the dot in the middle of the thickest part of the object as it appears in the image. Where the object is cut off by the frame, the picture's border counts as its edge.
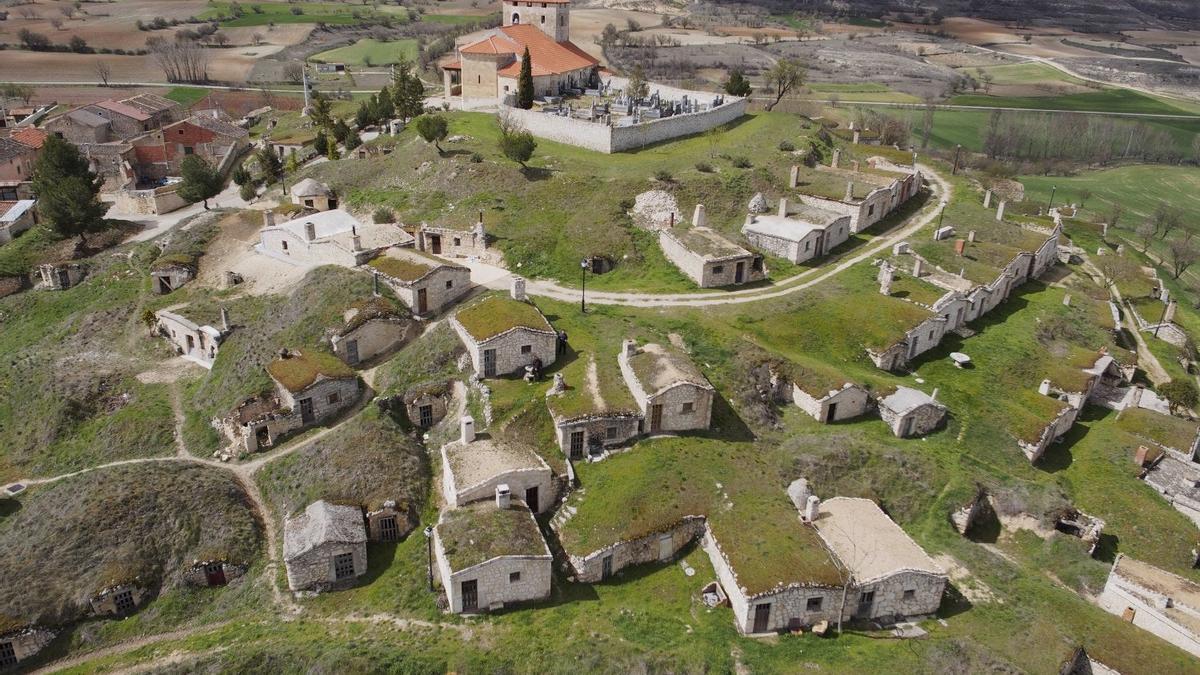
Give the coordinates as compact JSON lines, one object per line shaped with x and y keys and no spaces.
{"x":493,"y":44}
{"x":123,"y":109}
{"x":549,"y":57}
{"x":30,"y":136}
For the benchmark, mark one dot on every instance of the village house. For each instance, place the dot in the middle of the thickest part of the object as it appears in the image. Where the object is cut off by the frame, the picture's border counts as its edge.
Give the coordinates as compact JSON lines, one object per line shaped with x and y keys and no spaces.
{"x":591,"y":418}
{"x":325,"y":547}
{"x":891,"y":577}
{"x":170,"y":273}
{"x":671,"y":392}
{"x":258,"y":422}
{"x":1169,"y":458}
{"x":710,"y":259}
{"x":160,"y":152}
{"x":826,"y":401}
{"x":453,"y":243}
{"x":911,"y":412}
{"x":504,"y":335}
{"x":16,"y":217}
{"x":21,"y":643}
{"x":424,"y":282}
{"x":473,"y":468}
{"x":312,"y":194}
{"x":114,"y":162}
{"x":871,"y":192}
{"x":388,"y":521}
{"x":327,"y":238}
{"x":1154,"y":600}
{"x":371,"y":329}
{"x":486,"y":67}
{"x":491,"y":555}
{"x":61,"y":275}
{"x":1071,"y":387}
{"x":427,"y":403}
{"x":798,"y":233}
{"x":16,"y":161}
{"x":134,"y":116}
{"x":314,"y":385}
{"x":193,"y":341}
{"x":81,"y":126}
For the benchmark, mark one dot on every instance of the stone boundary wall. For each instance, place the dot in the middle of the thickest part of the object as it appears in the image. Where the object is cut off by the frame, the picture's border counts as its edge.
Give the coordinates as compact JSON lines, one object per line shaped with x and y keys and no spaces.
{"x":149,"y":202}
{"x":589,"y":568}
{"x":606,"y":139}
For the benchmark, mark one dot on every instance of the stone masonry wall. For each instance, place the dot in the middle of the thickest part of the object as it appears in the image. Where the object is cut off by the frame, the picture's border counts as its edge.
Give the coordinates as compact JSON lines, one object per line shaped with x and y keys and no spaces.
{"x":672,"y":401}
{"x":374,"y":337}
{"x":925,"y":418}
{"x":28,"y":642}
{"x":627,"y":427}
{"x":648,"y":549}
{"x":509,"y":359}
{"x":851,"y":402}
{"x":495,"y":585}
{"x":689,"y":263}
{"x":346,"y":390}
{"x":1120,"y":594}
{"x":890,"y":601}
{"x":314,"y":569}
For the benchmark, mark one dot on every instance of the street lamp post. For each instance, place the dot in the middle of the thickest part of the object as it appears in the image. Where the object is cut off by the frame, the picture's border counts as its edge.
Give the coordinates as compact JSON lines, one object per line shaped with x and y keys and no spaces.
{"x":583,"y":265}
{"x":429,"y":548}
{"x":1053,"y":189}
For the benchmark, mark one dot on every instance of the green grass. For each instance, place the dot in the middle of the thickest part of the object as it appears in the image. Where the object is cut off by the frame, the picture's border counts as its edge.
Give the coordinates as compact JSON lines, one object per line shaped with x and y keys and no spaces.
{"x":1024,"y":73}
{"x":187,"y":96}
{"x":336,"y":13}
{"x":454,"y":19}
{"x":370,"y":52}
{"x":1107,"y":100}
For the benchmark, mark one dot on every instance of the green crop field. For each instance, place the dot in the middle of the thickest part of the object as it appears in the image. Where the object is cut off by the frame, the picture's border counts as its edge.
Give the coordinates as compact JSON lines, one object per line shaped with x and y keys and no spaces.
{"x":454,"y":18}
{"x":1107,"y":100}
{"x":187,"y":96}
{"x":264,"y":13}
{"x":1024,"y":73}
{"x":370,"y":52}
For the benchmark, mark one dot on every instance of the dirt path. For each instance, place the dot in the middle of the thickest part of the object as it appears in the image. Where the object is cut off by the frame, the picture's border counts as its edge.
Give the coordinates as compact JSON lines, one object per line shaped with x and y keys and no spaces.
{"x":177,"y":410}
{"x":1146,"y":358}
{"x":124,"y":647}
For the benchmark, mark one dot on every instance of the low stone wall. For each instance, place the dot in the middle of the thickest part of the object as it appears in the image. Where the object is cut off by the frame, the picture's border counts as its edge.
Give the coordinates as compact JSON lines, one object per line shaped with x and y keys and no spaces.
{"x":650,"y":548}
{"x":606,"y":139}
{"x":150,"y":202}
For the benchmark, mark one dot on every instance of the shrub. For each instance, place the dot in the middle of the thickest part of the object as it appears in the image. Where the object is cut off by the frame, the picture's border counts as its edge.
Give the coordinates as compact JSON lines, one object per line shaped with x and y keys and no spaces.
{"x":476,"y":158}
{"x":248,"y":191}
{"x":704,"y":167}
{"x":296,"y":10}
{"x":663,"y":176}
{"x":787,"y":146}
{"x":383,"y":215}
{"x":741,"y":162}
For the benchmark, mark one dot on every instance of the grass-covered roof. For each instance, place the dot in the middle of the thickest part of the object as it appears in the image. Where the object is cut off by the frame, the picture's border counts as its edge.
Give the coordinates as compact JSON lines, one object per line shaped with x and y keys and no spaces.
{"x":496,"y":314}
{"x":300,"y":369}
{"x":1166,"y":430}
{"x":408,"y":264}
{"x":477,"y":533}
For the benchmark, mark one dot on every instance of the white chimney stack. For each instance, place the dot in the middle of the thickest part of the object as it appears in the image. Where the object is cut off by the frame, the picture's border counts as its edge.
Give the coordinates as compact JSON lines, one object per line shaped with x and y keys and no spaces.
{"x":783,"y":207}
{"x":1044,"y":388}
{"x":224,"y":319}
{"x":467,"y":426}
{"x":794,"y":178}
{"x":517,"y":290}
{"x":310,"y":231}
{"x":849,"y":192}
{"x":630,"y":348}
{"x":811,"y":509}
{"x":503,"y":496}
{"x":700,"y":217}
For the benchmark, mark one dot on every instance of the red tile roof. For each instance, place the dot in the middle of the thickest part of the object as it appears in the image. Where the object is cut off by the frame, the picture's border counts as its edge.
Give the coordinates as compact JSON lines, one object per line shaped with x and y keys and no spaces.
{"x":494,"y":44}
{"x":548,"y":57}
{"x":123,"y":109}
{"x":30,"y":136}
{"x":453,"y":65}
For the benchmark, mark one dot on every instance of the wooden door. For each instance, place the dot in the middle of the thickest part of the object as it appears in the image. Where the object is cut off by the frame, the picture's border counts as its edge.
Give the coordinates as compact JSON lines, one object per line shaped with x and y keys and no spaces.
{"x":422,"y":301}
{"x":739,"y":272}
{"x":489,"y":363}
{"x":531,"y":498}
{"x":762,"y":617}
{"x":606,"y":567}
{"x":124,"y":602}
{"x":831,"y":415}
{"x":655,"y":418}
{"x":214,"y":574}
{"x":435,"y":244}
{"x":306,"y":411}
{"x":352,"y":351}
{"x":470,"y":595}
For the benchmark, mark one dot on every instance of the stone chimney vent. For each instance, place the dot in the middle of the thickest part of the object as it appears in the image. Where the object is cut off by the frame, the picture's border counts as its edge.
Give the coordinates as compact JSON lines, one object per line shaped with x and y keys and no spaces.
{"x":268,"y":219}
{"x":700,"y":217}
{"x":783,"y":207}
{"x":1044,"y":388}
{"x":849,"y":192}
{"x":812,"y":508}
{"x":503,"y":496}
{"x":517,"y":289}
{"x":310,"y":231}
{"x":630,"y":347}
{"x":224,"y":319}
{"x":467,"y":426}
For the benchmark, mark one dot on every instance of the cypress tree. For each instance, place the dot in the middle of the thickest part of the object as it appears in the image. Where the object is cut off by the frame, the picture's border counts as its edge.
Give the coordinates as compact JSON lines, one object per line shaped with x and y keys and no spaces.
{"x":525,"y":82}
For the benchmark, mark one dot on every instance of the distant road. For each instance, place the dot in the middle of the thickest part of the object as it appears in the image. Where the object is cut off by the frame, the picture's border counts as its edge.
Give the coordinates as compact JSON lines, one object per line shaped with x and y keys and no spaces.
{"x":117,"y":85}
{"x":947,"y":106}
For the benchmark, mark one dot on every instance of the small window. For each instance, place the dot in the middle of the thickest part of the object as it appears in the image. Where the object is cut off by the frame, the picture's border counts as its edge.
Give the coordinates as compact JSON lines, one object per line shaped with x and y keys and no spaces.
{"x":334,"y":398}
{"x":543,"y":17}
{"x":871,"y":210}
{"x":514,"y":577}
{"x":308,"y":202}
{"x":718,"y":269}
{"x":807,"y":245}
{"x":181,"y":132}
{"x":910,"y":594}
{"x":931,"y":336}
{"x":450,"y":284}
{"x":343,"y":566}
{"x":457,"y":241}
{"x":610,"y":433}
{"x":688,"y":408}
{"x":526,"y":349}
{"x":284,"y":245}
{"x":814,"y":604}
{"x":58,"y":134}
{"x":479,"y":78}
{"x":189,"y":150}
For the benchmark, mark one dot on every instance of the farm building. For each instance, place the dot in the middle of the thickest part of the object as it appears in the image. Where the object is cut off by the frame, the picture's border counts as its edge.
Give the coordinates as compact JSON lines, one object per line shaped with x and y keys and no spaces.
{"x":198,"y":343}
{"x":710,"y":259}
{"x":473,"y":468}
{"x":62,"y":275}
{"x":210,"y":573}
{"x":892,"y":578}
{"x":825,"y":399}
{"x":390,"y":521}
{"x":426,"y":404}
{"x":325,"y":547}
{"x":169,"y":275}
{"x":160,"y":152}
{"x":1154,"y":600}
{"x":327,"y":238}
{"x":911,"y":412}
{"x":656,"y":547}
{"x":504,"y":335}
{"x":486,"y":69}
{"x":871,"y":193}
{"x":671,"y":392}
{"x":315,"y":386}
{"x":451,"y":242}
{"x":16,"y":217}
{"x":136,"y":115}
{"x":595,"y":413}
{"x":81,"y":126}
{"x":16,"y":160}
{"x":371,"y":329}
{"x":491,"y":555}
{"x":21,"y":643}
{"x":312,"y":194}
{"x":424,"y":282}
{"x":798,"y":233}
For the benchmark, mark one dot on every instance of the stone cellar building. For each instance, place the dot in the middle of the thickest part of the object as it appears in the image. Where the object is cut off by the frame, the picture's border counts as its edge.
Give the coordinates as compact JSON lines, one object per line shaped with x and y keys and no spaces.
{"x":325,"y":547}
{"x":504,"y":335}
{"x":670,"y":390}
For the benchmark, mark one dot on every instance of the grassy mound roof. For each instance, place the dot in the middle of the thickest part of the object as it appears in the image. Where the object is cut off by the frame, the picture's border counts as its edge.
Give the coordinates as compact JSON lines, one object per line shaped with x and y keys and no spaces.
{"x":365,"y":462}
{"x":152,"y":520}
{"x":408,"y":264}
{"x":299,"y":370}
{"x":496,"y":313}
{"x":480,"y":532}
{"x":1165,"y":430}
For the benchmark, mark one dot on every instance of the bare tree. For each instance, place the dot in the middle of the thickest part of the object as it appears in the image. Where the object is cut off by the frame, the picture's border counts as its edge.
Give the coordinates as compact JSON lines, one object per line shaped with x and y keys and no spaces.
{"x":1114,"y":269}
{"x":181,"y":60}
{"x":28,"y":13}
{"x":1145,"y":234}
{"x":1183,"y":254}
{"x":783,"y":77}
{"x":986,"y":79}
{"x":103,"y":72}
{"x":57,"y":23}
{"x":1114,"y":214}
{"x":67,"y":11}
{"x":293,"y":71}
